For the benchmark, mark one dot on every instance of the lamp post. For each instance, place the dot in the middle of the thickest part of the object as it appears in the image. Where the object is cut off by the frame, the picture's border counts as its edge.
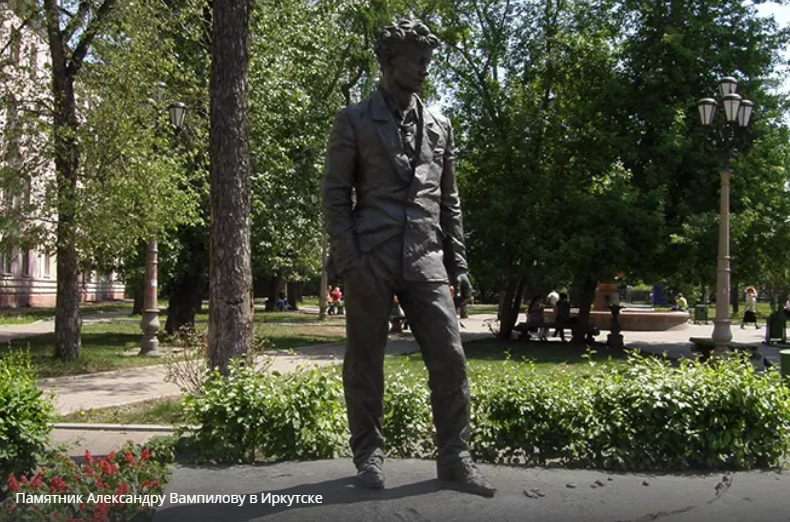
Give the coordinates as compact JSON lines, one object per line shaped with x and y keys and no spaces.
{"x":322,"y":294}
{"x":737,"y":113}
{"x":149,"y":345}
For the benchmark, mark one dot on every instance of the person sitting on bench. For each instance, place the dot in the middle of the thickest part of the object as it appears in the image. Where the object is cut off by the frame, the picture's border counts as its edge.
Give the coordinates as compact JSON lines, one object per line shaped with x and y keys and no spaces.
{"x":535,"y":315}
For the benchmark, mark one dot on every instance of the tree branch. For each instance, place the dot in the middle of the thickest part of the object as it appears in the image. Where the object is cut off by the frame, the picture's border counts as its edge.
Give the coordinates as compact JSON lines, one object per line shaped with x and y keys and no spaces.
{"x":481,"y":85}
{"x":346,"y":87}
{"x":75,"y":62}
{"x":76,"y":20}
{"x":16,"y":31}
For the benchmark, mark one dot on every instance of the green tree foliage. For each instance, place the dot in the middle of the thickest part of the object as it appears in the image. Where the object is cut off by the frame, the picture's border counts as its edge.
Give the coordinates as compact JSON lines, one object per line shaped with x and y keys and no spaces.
{"x":546,"y":197}
{"x":135,"y":166}
{"x":581,"y":152}
{"x":673,"y":54}
{"x":100,"y":181}
{"x":307,"y":61}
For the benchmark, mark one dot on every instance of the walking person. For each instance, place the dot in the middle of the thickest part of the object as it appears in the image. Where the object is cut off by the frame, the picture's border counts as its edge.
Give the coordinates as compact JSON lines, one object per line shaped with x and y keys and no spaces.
{"x":562,"y":314}
{"x":750,"y":312}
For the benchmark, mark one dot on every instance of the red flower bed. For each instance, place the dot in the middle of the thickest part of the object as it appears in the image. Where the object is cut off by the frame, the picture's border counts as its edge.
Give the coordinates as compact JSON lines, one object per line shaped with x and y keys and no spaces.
{"x":128,"y":474}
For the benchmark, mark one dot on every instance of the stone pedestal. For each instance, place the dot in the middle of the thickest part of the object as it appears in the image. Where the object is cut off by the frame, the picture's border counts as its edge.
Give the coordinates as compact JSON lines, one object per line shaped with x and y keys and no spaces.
{"x":615,"y":339}
{"x":149,"y":345}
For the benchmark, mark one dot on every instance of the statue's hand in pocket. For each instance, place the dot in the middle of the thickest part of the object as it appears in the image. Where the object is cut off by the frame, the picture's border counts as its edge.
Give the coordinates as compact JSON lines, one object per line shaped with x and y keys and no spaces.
{"x":361,"y":281}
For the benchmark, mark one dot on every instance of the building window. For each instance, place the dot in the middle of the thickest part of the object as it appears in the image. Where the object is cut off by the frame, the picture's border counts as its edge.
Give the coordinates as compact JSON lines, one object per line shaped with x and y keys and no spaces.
{"x":26,"y":263}
{"x":47,"y":263}
{"x":33,"y":60}
{"x":7,"y":262}
{"x":15,"y":46}
{"x":28,"y":191}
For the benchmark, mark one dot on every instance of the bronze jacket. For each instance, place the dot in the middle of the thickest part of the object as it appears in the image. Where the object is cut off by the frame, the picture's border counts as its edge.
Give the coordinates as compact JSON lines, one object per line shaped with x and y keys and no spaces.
{"x":390,"y":198}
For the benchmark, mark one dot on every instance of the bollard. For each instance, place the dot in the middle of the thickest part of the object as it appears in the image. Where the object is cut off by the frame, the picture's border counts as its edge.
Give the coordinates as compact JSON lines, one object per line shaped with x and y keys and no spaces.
{"x":784,"y":358}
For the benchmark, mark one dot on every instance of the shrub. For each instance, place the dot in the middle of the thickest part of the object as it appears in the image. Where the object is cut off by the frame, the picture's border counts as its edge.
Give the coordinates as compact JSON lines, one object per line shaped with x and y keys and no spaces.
{"x":249,"y":414}
{"x":130,"y":471}
{"x":25,"y":414}
{"x":187,"y":358}
{"x":649,"y":416}
{"x":408,"y":424}
{"x":652,"y":416}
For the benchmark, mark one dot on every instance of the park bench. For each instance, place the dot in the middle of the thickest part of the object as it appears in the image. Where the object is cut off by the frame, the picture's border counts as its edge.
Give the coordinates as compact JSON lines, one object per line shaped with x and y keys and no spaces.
{"x":525,"y":328}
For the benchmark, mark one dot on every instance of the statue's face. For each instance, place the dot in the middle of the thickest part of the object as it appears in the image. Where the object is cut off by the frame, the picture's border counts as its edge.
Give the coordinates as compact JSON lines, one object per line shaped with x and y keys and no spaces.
{"x":409,"y":66}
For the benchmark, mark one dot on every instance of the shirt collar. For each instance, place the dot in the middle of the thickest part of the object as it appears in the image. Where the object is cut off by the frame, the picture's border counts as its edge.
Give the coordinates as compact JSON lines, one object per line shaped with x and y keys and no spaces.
{"x":400,"y":115}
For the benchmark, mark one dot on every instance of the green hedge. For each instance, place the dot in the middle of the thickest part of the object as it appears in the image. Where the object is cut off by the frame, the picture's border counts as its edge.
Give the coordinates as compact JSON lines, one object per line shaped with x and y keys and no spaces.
{"x":25,"y":415}
{"x":249,"y":415}
{"x":651,"y":416}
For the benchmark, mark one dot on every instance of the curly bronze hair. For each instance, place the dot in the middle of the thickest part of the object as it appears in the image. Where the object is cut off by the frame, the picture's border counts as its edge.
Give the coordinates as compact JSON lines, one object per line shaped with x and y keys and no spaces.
{"x":403,"y":31}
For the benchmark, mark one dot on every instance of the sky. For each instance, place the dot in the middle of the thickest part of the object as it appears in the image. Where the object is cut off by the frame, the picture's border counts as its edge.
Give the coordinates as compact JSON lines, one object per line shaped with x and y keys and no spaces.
{"x":780,"y":12}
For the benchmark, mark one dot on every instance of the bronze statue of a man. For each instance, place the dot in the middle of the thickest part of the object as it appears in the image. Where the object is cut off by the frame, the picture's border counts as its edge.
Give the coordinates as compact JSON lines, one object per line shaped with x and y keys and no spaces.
{"x":394,"y":220}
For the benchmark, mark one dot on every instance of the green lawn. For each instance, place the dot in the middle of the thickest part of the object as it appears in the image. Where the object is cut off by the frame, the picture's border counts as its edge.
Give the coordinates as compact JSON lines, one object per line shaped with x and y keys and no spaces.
{"x":267,"y":317}
{"x":165,"y":411}
{"x":483,"y":309}
{"x":763,"y":311}
{"x":105,"y":346}
{"x":14,"y":316}
{"x":114,"y":345}
{"x":551,"y":356}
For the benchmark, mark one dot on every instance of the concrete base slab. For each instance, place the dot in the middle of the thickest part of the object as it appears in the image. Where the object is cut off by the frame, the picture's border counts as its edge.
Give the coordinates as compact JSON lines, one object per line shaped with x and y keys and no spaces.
{"x":413,"y":494}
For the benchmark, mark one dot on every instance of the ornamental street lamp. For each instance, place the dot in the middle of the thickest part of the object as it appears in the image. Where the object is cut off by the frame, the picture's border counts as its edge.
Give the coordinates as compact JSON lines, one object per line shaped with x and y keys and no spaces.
{"x":149,"y":345}
{"x":737,"y":113}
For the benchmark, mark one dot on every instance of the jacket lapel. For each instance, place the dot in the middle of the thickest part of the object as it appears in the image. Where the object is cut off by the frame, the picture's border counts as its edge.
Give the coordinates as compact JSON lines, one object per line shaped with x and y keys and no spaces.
{"x":390,"y":138}
{"x":430,"y":135}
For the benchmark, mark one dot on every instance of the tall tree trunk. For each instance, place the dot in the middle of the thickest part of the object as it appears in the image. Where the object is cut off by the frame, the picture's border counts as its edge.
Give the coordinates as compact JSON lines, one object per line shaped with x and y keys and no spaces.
{"x":734,"y":295}
{"x":68,"y":321}
{"x":138,"y":295}
{"x":586,"y":299}
{"x":184,"y":302}
{"x":293,"y":294}
{"x":66,"y":63}
{"x":509,"y":306}
{"x":273,"y":292}
{"x":230,"y":306}
{"x":190,"y":280}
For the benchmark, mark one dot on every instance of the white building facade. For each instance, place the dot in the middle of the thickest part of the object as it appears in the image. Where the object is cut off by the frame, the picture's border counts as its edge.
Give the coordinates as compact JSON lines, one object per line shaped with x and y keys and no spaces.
{"x":28,"y":274}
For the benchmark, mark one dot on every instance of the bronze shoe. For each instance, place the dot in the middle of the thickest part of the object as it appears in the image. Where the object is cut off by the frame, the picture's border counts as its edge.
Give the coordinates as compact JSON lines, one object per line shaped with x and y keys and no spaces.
{"x":465,"y":473}
{"x":370,"y":474}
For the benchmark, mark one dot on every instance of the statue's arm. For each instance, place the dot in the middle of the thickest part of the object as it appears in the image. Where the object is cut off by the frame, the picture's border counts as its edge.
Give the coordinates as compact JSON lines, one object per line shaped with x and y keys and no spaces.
{"x":450,"y":214}
{"x":341,"y":159}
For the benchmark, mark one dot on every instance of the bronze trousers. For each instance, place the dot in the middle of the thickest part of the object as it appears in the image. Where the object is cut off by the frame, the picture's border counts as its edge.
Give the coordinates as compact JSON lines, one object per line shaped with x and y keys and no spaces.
{"x":431,"y":315}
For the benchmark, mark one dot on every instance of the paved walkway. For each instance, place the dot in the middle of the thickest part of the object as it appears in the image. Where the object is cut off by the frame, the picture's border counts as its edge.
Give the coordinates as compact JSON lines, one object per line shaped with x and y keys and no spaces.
{"x":21,"y":331}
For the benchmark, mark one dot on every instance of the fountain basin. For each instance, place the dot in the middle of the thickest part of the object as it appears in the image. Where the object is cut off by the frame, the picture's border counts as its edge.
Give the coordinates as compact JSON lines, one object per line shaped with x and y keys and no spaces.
{"x":633,"y":320}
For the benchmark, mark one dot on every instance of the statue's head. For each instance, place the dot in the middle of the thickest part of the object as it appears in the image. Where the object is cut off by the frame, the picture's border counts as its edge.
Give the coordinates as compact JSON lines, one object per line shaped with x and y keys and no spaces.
{"x":404,"y":51}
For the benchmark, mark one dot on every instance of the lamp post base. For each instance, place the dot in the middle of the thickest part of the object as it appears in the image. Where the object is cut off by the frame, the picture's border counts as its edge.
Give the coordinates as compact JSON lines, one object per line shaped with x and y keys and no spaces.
{"x":149,"y":345}
{"x":722,"y":335}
